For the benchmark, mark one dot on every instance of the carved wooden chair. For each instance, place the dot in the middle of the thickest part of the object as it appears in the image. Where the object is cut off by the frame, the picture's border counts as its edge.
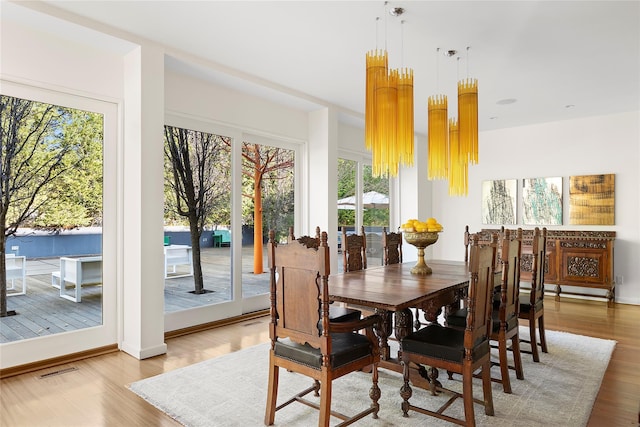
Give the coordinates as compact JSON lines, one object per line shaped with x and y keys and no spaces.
{"x":532,"y":305}
{"x":505,"y":314}
{"x":467,"y":242}
{"x":505,"y":319}
{"x":354,"y":250}
{"x":337,"y":312}
{"x":484,"y":237}
{"x":456,"y":350}
{"x":392,"y":247}
{"x":303,"y":340}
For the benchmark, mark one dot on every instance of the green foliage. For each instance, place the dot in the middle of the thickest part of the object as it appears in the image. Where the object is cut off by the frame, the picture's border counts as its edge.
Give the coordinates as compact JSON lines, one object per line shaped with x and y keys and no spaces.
{"x":50,"y":170}
{"x":375,"y":217}
{"x":52,"y":165}
{"x":275,"y":168}
{"x":347,"y":187}
{"x":278,"y":201}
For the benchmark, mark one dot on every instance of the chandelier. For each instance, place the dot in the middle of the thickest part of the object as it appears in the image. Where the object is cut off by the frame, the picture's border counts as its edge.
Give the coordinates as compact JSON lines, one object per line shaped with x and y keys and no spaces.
{"x":389,"y":123}
{"x":389,"y":127}
{"x":453,"y":144}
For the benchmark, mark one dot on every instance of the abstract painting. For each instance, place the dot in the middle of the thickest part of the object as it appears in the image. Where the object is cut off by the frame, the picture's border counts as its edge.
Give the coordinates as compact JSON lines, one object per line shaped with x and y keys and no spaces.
{"x":542,"y":201}
{"x":499,"y":199}
{"x":592,"y":199}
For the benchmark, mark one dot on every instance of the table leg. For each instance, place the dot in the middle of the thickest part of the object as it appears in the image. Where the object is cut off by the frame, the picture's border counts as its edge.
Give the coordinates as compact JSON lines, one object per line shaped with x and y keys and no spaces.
{"x":403,"y":327}
{"x":383,"y":333}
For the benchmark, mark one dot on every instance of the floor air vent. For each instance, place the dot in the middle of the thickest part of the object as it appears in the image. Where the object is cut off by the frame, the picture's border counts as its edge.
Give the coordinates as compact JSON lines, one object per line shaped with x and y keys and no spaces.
{"x":252,"y":323}
{"x":58,"y":372}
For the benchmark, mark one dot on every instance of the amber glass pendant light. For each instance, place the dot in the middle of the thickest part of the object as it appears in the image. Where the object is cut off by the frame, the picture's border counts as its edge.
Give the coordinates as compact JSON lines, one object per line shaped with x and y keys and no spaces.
{"x":468,"y":117}
{"x":438,"y":149}
{"x":389,"y":123}
{"x":454,"y":144}
{"x":458,"y":163}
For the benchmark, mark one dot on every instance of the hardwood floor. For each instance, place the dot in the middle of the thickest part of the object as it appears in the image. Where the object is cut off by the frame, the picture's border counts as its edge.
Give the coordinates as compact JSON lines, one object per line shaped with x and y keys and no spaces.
{"x":93,"y":392}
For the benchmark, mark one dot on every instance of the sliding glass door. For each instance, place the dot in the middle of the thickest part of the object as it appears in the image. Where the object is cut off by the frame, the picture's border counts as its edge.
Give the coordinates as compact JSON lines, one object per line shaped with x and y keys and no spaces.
{"x":224,"y":191}
{"x":58,"y":187}
{"x":363,"y":201}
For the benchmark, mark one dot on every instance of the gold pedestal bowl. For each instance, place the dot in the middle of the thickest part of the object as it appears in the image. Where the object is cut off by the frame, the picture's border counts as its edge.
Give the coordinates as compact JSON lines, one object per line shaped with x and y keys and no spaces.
{"x":421,"y":240}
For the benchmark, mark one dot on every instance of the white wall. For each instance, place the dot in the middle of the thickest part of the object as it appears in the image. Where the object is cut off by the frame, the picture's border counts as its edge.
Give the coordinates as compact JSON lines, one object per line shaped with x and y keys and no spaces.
{"x":225,"y":107}
{"x":596,"y":145}
{"x":56,"y":62}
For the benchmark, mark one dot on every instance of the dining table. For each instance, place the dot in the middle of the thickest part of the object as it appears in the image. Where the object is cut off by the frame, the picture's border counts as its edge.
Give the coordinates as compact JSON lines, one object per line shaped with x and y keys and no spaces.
{"x":392,"y":291}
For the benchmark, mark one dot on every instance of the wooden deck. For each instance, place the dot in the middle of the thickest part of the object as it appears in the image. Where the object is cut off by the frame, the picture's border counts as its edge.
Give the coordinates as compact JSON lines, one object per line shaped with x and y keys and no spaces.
{"x":42,"y":312}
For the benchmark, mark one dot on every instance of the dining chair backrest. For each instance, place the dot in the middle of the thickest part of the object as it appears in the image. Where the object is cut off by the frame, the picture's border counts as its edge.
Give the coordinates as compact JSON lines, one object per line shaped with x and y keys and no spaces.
{"x":310,"y":242}
{"x":392,"y":247}
{"x":337,"y":312}
{"x":484,"y":238}
{"x":510,"y":285}
{"x":539,"y":266}
{"x":299,"y":287}
{"x":354,"y":250}
{"x":482,"y":261}
{"x":467,"y":242}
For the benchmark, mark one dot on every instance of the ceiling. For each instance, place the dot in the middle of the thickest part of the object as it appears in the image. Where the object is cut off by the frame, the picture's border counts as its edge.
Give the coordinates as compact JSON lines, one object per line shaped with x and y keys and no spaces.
{"x":535,"y":61}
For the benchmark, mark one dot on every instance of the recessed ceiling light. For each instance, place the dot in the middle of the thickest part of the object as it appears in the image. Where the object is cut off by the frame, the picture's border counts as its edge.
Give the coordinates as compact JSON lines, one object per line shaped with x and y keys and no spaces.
{"x":507,"y":101}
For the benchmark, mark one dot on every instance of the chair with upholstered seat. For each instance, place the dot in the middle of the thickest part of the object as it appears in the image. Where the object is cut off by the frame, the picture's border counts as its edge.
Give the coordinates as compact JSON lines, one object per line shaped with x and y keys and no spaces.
{"x":455,"y":350}
{"x":505,"y":313}
{"x":532,"y":305}
{"x":337,"y":312}
{"x":354,"y":250}
{"x":391,"y":247}
{"x":505,"y":318}
{"x":484,"y":236}
{"x":304,"y":341}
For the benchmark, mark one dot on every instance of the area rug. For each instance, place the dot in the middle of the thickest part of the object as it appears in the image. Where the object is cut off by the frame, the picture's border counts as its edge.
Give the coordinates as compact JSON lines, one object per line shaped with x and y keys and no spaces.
{"x":230,"y":390}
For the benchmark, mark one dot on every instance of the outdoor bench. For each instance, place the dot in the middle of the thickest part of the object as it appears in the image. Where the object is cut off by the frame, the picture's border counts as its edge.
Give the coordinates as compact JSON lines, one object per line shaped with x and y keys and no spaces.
{"x":78,"y":272}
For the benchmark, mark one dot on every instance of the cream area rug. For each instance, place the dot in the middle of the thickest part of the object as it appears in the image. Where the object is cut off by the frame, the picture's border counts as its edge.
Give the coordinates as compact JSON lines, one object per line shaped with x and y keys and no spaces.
{"x":230,"y":390}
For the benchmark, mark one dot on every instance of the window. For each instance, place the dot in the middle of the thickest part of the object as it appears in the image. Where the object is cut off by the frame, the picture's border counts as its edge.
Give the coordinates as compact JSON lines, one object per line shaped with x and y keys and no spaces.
{"x":59,"y":156}
{"x":369,"y":208}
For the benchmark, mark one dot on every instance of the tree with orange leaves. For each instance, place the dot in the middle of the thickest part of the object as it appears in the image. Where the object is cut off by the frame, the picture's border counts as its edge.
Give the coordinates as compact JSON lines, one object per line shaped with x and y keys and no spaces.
{"x":263,"y":163}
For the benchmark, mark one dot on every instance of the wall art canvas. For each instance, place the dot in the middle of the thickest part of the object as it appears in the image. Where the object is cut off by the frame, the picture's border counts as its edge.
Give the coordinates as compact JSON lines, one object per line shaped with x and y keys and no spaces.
{"x":499,"y":200}
{"x":592,"y":199}
{"x":542,"y":201}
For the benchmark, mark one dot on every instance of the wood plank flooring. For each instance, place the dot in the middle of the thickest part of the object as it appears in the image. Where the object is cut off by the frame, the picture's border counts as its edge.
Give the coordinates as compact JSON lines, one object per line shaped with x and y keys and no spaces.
{"x":93,"y":391}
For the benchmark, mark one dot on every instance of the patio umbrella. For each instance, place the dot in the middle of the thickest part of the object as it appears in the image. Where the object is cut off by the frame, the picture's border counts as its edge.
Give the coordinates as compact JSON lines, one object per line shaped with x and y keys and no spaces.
{"x":370,"y":200}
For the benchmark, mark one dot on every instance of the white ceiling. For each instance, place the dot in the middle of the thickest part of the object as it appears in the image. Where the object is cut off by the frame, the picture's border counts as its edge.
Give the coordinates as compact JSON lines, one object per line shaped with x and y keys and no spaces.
{"x":545,"y":55}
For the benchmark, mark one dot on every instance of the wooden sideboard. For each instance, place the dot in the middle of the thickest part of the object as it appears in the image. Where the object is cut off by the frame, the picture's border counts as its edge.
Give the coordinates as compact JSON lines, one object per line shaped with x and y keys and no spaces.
{"x":574,"y":258}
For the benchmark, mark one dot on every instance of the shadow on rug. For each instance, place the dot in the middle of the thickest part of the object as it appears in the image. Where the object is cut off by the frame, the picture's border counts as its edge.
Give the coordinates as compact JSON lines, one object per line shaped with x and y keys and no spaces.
{"x":231,"y":390}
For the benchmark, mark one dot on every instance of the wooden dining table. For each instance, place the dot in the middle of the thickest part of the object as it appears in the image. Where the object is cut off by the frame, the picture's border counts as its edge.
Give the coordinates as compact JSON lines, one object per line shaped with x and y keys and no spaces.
{"x":392,"y":291}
